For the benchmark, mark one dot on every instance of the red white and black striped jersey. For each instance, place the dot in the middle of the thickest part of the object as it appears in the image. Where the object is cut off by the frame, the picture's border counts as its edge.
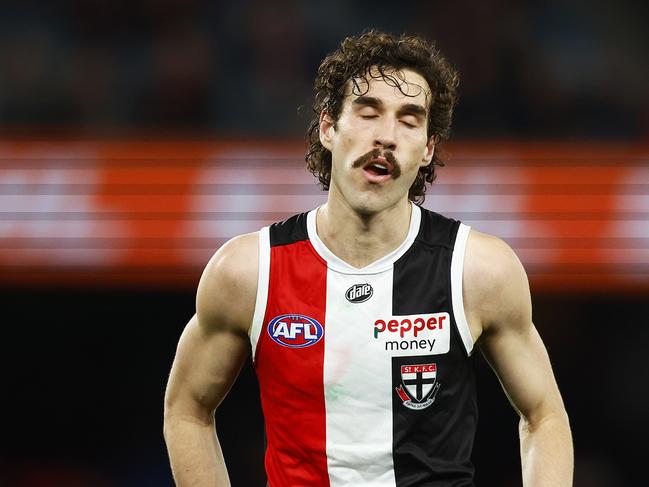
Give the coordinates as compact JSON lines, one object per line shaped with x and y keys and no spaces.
{"x":366,"y":375}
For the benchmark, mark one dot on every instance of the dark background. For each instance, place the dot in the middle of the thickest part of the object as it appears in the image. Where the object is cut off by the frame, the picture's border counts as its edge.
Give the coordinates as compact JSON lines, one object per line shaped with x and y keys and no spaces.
{"x":86,"y":372}
{"x":84,"y":367}
{"x":547,"y":68}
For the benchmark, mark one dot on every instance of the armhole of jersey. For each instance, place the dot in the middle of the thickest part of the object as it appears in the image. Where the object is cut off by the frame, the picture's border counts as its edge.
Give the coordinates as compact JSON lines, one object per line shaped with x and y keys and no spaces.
{"x":457,"y":271}
{"x":262,"y":289}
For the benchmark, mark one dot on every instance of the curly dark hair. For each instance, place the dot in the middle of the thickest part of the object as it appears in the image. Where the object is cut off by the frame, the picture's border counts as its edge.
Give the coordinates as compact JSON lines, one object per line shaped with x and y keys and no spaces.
{"x":376,"y":54}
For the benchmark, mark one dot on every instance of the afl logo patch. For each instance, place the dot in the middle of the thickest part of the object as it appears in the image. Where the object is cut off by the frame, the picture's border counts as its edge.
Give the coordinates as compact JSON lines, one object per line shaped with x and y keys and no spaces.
{"x":295,"y":331}
{"x":359,"y":293}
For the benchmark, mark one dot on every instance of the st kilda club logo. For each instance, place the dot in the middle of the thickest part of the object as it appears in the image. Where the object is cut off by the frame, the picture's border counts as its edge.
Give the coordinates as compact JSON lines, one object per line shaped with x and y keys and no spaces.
{"x":418,"y":386}
{"x":359,"y":293}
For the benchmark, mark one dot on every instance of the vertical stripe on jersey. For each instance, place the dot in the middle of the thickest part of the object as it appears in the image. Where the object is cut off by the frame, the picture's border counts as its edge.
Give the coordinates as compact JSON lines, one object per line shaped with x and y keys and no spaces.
{"x":358,"y":384}
{"x":292,"y":392}
{"x":432,"y":445}
{"x":262,"y":289}
{"x":457,"y":273}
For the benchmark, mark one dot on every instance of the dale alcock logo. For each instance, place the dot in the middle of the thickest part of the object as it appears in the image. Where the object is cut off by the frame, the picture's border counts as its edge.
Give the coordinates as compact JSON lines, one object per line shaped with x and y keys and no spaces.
{"x":295,"y":331}
{"x":359,"y":293}
{"x":418,"y":386}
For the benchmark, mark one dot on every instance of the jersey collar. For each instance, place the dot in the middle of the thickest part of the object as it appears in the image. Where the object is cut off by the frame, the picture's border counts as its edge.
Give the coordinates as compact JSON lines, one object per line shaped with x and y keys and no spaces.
{"x":336,"y":263}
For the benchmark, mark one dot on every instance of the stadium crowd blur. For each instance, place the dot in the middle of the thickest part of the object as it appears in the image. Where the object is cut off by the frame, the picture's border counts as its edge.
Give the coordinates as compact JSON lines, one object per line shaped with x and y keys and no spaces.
{"x":549,"y":69}
{"x":529,"y":69}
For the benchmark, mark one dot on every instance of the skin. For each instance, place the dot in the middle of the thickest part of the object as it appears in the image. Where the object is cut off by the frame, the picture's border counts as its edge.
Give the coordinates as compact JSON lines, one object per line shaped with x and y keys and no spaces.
{"x":211,"y":351}
{"x":361,"y":222}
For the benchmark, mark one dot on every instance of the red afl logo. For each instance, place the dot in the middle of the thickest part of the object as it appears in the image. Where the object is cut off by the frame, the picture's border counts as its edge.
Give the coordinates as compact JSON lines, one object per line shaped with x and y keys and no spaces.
{"x":295,"y":331}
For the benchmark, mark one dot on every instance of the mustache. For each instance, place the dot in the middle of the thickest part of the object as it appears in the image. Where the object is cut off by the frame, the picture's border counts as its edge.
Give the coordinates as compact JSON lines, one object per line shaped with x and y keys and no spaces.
{"x":373,"y":154}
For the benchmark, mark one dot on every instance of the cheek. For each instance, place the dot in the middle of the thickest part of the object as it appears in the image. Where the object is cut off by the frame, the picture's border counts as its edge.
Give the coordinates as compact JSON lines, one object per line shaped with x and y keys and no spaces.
{"x":414,"y":135}
{"x":417,"y":148}
{"x":345,"y":134}
{"x":346,"y":144}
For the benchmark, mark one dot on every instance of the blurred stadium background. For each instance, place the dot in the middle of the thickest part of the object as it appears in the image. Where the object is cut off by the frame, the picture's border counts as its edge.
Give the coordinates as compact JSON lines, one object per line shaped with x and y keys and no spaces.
{"x":136,"y":137}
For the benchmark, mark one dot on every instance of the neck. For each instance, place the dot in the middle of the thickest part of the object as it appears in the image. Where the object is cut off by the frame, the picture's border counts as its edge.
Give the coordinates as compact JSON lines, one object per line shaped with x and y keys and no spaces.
{"x":360,"y":239}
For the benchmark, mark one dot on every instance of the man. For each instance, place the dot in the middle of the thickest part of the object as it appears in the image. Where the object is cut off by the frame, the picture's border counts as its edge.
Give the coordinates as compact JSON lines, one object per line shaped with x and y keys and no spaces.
{"x":363,"y":314}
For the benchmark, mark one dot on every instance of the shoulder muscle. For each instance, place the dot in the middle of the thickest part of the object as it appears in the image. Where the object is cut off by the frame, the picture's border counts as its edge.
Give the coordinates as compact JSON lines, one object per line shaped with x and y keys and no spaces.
{"x":225,"y":299}
{"x":496,"y":287}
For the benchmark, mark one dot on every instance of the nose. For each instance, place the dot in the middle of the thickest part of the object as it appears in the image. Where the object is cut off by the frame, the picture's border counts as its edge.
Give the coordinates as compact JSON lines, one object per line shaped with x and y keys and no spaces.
{"x":384,"y":137}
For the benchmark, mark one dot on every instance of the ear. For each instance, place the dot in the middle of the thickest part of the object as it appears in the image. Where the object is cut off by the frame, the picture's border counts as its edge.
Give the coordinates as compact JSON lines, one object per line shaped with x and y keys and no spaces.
{"x":327,"y":127}
{"x":429,"y":151}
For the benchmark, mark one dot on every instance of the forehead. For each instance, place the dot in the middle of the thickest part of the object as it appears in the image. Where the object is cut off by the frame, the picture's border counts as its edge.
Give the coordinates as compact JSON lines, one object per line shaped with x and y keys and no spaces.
{"x":396,"y":85}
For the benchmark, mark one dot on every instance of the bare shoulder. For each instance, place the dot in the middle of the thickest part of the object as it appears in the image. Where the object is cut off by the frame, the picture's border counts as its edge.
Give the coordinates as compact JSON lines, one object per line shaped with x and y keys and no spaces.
{"x":496,"y":290}
{"x":227,"y":290}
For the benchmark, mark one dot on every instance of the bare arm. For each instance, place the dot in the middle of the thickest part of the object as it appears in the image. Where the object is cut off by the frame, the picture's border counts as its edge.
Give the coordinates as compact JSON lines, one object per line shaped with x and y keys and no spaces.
{"x":499,"y":302}
{"x":210,"y":354}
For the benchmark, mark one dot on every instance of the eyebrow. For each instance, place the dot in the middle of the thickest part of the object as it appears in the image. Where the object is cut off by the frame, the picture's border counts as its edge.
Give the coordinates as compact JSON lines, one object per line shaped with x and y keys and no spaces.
{"x":407,"y":109}
{"x":371,"y":101}
{"x":412,"y":109}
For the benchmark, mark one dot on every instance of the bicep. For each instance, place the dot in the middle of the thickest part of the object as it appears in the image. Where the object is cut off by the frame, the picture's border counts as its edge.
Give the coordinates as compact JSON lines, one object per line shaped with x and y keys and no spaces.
{"x":214,"y":344}
{"x":511,"y":343}
{"x":519,"y":358}
{"x":206,"y":364}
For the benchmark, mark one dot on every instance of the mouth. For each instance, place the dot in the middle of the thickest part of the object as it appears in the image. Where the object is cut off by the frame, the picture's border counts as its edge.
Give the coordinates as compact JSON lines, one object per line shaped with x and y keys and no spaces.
{"x":379,"y":166}
{"x":378,"y":170}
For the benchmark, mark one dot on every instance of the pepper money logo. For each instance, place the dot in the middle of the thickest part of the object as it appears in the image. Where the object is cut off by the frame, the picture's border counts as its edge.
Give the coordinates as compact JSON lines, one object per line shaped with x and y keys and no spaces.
{"x":403,"y":334}
{"x":295,"y":331}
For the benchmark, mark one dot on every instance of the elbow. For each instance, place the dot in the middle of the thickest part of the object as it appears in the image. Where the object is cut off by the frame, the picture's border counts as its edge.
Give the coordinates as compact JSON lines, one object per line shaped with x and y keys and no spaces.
{"x":184,"y":413}
{"x":173,"y":412}
{"x":550,"y":410}
{"x":167,"y":420}
{"x":557,"y":417}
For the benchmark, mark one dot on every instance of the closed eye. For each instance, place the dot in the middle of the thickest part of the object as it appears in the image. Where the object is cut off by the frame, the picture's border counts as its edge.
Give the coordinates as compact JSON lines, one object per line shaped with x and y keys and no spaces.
{"x":409,"y":123}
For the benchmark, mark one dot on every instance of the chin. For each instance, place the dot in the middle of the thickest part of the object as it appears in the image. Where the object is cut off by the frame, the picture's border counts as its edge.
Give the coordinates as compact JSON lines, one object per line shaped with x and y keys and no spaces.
{"x":371,"y":204}
{"x":366,"y":210}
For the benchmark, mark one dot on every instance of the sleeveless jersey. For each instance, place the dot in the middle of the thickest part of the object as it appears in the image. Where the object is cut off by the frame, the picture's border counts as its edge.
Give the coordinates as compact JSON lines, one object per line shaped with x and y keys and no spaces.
{"x":366,"y":375}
